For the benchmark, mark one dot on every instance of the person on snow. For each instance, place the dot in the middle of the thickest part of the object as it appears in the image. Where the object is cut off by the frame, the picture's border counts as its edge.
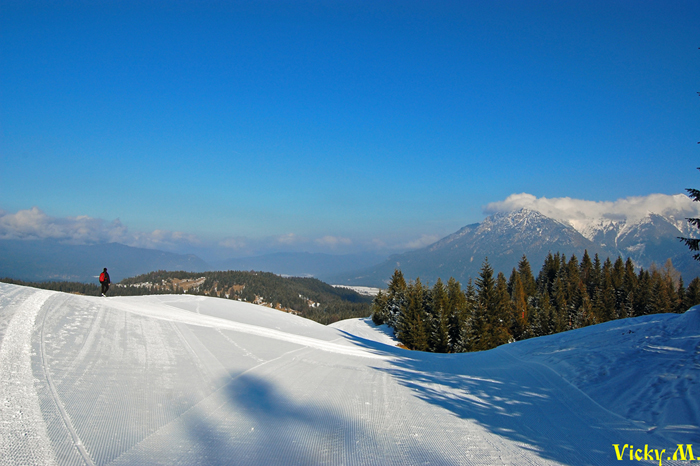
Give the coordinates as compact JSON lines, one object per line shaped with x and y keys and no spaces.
{"x":104,"y":281}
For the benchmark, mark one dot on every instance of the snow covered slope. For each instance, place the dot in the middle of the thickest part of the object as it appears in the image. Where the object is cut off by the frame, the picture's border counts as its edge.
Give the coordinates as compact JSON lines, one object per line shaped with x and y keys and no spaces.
{"x":192,"y":380}
{"x":365,"y":328}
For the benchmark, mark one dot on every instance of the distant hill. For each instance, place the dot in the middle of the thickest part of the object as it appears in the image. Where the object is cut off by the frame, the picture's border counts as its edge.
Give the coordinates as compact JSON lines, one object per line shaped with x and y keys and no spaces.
{"x":301,"y":264}
{"x":51,"y":260}
{"x":40,"y":260}
{"x":503,"y":237}
{"x":506,"y":236}
{"x":304,"y":296}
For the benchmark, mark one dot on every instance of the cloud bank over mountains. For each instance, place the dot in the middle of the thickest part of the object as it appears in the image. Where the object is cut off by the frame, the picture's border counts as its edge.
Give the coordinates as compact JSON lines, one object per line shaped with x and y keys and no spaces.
{"x":580,"y":213}
{"x":34,"y":224}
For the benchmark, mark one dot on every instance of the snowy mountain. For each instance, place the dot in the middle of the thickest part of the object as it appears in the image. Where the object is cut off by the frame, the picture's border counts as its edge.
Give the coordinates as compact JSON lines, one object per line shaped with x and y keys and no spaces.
{"x":651,"y":238}
{"x":505,"y":237}
{"x":178,"y":379}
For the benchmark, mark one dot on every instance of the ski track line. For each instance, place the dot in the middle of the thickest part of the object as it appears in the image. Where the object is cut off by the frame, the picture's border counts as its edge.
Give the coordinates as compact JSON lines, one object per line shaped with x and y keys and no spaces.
{"x":87,"y":342}
{"x":245,"y":351}
{"x":61,"y":409}
{"x":23,"y":435}
{"x":171,"y":313}
{"x":216,"y":393}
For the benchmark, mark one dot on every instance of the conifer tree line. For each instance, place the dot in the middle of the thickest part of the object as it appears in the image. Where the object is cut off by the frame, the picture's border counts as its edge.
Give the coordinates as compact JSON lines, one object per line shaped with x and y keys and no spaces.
{"x":493,"y":310}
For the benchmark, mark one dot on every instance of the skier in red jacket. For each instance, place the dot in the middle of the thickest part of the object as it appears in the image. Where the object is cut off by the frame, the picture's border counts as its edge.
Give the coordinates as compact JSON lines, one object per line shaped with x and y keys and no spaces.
{"x":104,"y":281}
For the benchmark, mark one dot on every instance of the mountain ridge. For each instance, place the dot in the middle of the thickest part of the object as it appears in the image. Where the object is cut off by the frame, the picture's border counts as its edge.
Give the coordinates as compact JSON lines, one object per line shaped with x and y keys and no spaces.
{"x":504,"y":237}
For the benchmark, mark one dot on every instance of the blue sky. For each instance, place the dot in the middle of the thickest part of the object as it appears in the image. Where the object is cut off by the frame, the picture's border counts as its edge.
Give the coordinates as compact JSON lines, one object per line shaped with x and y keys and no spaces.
{"x":339,"y":125}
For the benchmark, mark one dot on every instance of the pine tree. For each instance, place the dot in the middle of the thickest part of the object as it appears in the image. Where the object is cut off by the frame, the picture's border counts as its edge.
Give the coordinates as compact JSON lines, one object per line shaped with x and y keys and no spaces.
{"x":543,"y":318}
{"x":680,"y":297}
{"x":380,"y":312}
{"x":493,"y":311}
{"x":672,"y":293}
{"x":520,"y":316}
{"x":576,"y":305}
{"x":618,"y":272}
{"x":596,"y":273}
{"x":417,"y":309}
{"x":526,"y":276}
{"x":573,"y":275}
{"x":670,"y":273}
{"x":429,"y":314}
{"x":692,"y":294}
{"x":660,"y":301}
{"x":604,"y":300}
{"x":396,"y":299}
{"x":479,"y":332}
{"x":548,"y":273}
{"x":561,"y":313}
{"x":511,"y":282}
{"x":586,"y":273}
{"x":584,"y":312}
{"x":693,"y":243}
{"x":618,"y":278}
{"x":461,"y":309}
{"x":629,"y":287}
{"x":500,"y":319}
{"x":412,"y":331}
{"x":642,"y":295}
{"x":439,"y":341}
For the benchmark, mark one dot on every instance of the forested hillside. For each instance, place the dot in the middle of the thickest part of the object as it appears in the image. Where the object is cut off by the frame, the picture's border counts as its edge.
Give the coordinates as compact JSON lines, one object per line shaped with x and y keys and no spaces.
{"x":307,"y":297}
{"x":494,"y":310}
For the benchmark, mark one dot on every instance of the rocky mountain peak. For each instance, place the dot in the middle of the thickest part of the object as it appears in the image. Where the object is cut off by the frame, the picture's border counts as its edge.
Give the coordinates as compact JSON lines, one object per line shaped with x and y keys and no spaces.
{"x":504,"y":237}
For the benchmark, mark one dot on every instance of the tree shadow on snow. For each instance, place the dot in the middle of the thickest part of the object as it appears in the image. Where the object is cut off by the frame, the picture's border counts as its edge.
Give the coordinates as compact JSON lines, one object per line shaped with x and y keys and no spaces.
{"x":258,"y":424}
{"x":519,"y":401}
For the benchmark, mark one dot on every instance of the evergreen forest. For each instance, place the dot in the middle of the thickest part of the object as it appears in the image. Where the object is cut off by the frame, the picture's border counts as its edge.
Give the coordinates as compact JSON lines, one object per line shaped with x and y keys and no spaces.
{"x":493,"y":310}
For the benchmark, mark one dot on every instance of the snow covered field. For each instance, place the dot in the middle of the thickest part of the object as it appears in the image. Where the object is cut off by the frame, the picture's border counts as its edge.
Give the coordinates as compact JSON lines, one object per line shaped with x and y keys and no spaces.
{"x":191,"y":380}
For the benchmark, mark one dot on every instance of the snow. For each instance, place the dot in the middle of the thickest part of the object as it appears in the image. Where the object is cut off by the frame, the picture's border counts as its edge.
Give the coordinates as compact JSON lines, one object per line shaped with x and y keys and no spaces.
{"x":645,"y":369}
{"x":191,"y":380}
{"x":365,"y":328}
{"x":363,"y":290}
{"x":23,"y":435}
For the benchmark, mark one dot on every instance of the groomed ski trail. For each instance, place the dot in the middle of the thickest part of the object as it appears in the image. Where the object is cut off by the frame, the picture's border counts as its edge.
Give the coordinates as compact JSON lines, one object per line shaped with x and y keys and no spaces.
{"x":204,"y":381}
{"x":23,"y":435}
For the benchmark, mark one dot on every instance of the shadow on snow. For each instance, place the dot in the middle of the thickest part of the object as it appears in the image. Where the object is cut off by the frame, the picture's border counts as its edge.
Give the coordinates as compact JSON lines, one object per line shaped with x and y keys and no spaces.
{"x":274,"y":429}
{"x":523,"y":402}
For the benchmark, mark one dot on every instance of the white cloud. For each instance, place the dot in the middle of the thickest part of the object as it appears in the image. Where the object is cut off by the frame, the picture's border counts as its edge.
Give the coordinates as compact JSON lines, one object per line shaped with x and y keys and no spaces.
{"x":423,"y":241}
{"x":158,"y":239}
{"x":35,"y":224}
{"x":289,"y":239}
{"x":578,"y":211}
{"x":236,"y":243}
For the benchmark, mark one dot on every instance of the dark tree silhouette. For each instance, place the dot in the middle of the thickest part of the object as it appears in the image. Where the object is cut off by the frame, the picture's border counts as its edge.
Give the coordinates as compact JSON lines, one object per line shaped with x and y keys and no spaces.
{"x":693,"y":243}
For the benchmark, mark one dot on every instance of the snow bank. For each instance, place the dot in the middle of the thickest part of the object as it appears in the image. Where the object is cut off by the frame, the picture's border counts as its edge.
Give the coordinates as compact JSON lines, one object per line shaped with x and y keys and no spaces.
{"x":646,"y":369}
